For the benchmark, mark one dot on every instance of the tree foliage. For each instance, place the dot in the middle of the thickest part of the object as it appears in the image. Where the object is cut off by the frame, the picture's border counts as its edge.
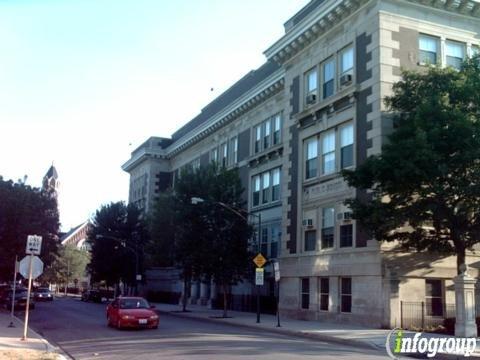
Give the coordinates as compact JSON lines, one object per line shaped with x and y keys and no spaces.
{"x":118,"y":232}
{"x":25,"y":210}
{"x":69,"y":264}
{"x":425,"y":183}
{"x":206,"y":239}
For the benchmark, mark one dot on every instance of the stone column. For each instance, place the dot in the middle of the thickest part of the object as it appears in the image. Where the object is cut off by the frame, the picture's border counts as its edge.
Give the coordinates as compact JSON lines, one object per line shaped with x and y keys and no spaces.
{"x":465,"y":325}
{"x":213,"y":294}
{"x":194,"y":293}
{"x":204,"y":293}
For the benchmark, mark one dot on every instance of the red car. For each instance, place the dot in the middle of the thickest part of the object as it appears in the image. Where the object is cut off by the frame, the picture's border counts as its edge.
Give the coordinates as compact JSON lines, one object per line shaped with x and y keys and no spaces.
{"x":131,"y":312}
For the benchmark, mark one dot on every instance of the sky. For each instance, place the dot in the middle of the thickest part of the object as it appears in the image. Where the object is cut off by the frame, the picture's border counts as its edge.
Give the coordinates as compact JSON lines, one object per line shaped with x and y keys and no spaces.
{"x":84,"y":82}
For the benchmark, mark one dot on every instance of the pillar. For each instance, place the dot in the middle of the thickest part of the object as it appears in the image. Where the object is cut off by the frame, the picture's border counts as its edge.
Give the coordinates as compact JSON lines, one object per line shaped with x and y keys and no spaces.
{"x":194,"y":293}
{"x":465,"y":325}
{"x":213,"y":294}
{"x":204,"y":296}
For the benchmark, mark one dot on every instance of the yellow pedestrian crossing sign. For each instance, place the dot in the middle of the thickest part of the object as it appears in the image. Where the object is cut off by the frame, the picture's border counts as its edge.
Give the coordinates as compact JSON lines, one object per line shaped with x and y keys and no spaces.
{"x":259,"y":260}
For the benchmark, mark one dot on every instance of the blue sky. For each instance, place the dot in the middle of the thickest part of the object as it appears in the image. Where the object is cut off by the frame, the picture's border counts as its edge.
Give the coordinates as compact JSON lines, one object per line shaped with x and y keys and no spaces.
{"x":83,"y":82}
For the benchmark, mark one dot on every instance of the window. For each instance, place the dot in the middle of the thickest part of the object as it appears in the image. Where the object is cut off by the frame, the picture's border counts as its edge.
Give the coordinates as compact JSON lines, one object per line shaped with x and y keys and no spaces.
{"x":311,"y":86}
{"x":214,"y":155}
{"x":312,"y":81}
{"x":324,"y":293}
{"x":196,"y":164}
{"x":346,"y":235}
{"x":223,"y":154}
{"x":346,"y":295}
{"x":269,"y":184}
{"x":434,"y":297}
{"x":328,"y":227}
{"x":455,"y":52}
{"x":277,"y":124}
{"x":266,"y":187}
{"x":233,"y":151}
{"x":310,"y":240}
{"x":305,"y":293}
{"x":264,"y":249}
{"x":346,"y":62}
{"x":346,"y":146}
{"x":266,"y":134}
{"x":276,"y":184}
{"x":328,"y":78}
{"x":328,"y":153}
{"x":311,"y":158}
{"x":256,"y":190}
{"x":258,"y":138}
{"x":428,"y":49}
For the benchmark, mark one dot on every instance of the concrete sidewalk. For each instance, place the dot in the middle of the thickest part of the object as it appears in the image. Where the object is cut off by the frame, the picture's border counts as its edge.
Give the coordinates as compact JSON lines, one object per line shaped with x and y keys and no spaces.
{"x":335,"y":333}
{"x":11,"y":343}
{"x":331,"y":332}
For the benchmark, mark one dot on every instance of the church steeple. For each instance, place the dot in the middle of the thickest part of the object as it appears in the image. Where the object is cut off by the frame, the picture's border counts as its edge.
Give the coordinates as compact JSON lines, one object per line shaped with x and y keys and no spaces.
{"x":50,"y":181}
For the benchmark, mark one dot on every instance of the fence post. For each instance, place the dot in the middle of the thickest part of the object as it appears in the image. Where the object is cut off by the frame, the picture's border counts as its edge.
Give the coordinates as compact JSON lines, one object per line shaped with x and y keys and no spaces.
{"x":423,"y":315}
{"x":401,"y":314}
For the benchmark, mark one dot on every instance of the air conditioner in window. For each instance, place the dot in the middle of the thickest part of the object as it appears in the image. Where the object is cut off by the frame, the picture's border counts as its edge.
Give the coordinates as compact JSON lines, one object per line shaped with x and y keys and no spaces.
{"x":308,"y":223}
{"x":311,"y":98}
{"x":346,"y":216}
{"x":346,"y":79}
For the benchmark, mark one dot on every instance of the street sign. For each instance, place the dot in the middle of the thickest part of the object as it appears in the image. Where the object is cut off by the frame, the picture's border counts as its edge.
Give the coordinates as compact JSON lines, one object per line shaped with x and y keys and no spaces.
{"x":34,"y":244}
{"x":276,"y":268}
{"x":259,"y":260}
{"x":259,"y":272}
{"x":37,"y":267}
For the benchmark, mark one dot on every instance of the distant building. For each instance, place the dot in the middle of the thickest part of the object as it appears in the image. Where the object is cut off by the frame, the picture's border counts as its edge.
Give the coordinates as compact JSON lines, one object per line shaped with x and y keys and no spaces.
{"x":77,"y":236}
{"x":50,"y":181}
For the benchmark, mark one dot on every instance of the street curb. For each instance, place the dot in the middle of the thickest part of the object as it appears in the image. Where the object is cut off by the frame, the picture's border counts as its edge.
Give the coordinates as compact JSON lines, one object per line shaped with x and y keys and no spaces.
{"x":321,"y":337}
{"x":49,"y":348}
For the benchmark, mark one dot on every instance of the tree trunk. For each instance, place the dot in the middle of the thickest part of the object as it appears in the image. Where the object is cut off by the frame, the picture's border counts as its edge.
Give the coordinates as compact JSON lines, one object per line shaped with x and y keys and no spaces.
{"x":224,"y":288}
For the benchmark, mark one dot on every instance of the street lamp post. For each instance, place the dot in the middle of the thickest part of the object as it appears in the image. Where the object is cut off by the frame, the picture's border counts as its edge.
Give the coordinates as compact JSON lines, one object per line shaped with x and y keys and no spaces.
{"x":198,"y":200}
{"x":133,"y":250}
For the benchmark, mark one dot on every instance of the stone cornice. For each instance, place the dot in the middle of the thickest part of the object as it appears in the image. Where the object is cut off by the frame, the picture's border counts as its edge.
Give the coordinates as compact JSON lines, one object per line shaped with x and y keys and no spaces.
{"x":255,"y":96}
{"x":312,"y":27}
{"x":332,"y":12}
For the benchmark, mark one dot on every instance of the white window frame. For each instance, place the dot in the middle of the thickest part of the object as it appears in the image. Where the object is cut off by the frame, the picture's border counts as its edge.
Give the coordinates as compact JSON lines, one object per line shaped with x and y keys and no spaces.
{"x":329,"y":61}
{"x":347,"y":50}
{"x":436,"y":40}
{"x":448,"y":55}
{"x":350,"y":142}
{"x":327,"y":151}
{"x":310,"y":144}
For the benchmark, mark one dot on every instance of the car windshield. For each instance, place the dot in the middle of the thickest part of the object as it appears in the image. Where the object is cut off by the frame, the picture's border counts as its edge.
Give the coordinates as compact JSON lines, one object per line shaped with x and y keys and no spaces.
{"x":133,"y":304}
{"x":43,"y":290}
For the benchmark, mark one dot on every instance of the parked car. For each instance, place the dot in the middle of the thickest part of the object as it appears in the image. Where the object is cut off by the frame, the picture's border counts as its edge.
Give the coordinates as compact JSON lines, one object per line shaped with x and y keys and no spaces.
{"x":131,"y":312}
{"x":93,"y":295}
{"x":43,"y":294}
{"x":20,"y":301}
{"x":4,"y":289}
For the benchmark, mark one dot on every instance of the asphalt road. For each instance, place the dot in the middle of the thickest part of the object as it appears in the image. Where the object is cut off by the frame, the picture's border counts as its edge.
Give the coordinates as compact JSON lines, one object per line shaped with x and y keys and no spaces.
{"x":81,"y":330}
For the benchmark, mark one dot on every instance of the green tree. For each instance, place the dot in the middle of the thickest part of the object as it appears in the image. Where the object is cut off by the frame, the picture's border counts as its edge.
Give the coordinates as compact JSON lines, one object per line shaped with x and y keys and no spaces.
{"x":25,"y":210}
{"x":228,"y":232}
{"x":204,"y":240}
{"x":118,"y":234}
{"x":70,"y":263}
{"x":425,"y":183}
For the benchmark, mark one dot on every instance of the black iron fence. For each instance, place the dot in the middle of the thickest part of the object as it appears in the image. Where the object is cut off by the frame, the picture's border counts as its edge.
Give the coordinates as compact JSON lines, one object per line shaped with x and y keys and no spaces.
{"x":425,"y":314}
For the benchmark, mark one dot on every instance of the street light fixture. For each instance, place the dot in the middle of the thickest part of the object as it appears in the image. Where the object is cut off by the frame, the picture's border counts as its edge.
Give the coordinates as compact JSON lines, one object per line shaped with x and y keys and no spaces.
{"x":237,"y":211}
{"x":134,"y":251}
